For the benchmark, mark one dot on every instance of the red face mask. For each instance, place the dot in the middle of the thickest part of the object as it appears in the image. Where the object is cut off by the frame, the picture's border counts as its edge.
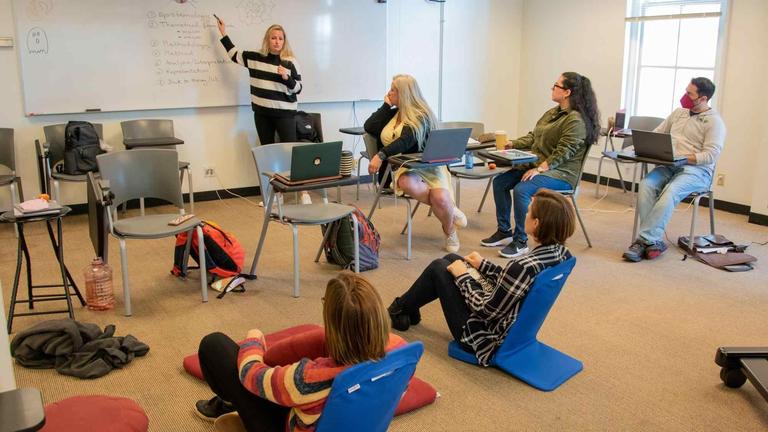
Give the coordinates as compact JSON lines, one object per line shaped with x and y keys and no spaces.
{"x":686,"y":102}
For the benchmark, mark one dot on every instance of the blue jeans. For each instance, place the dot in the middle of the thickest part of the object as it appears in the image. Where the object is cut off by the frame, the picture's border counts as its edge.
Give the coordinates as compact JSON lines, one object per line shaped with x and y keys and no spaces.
{"x":661,"y":191}
{"x":523,"y":192}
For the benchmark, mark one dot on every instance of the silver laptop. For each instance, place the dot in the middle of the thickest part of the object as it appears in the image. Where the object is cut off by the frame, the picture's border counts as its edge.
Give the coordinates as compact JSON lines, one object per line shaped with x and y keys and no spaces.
{"x":654,"y":145}
{"x":444,"y":145}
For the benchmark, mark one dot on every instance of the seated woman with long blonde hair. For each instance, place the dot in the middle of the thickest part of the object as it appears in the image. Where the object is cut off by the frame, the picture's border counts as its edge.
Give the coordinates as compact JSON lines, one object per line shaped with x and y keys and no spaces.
{"x":401,"y":125}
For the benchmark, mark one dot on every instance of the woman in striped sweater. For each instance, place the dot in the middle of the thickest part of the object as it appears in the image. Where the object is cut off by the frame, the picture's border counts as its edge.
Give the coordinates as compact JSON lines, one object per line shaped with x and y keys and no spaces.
{"x":275,"y":82}
{"x":291,"y":397}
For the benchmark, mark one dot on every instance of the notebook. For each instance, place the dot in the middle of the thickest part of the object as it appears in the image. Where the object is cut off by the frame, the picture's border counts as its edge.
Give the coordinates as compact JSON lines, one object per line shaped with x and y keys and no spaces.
{"x":652,"y":146}
{"x":515,"y":155}
{"x":313,"y":163}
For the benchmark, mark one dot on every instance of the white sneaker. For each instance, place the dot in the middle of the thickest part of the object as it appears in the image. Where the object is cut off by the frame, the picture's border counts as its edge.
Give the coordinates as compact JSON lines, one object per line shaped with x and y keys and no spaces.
{"x":305,"y":198}
{"x":452,"y":244}
{"x":459,"y":218}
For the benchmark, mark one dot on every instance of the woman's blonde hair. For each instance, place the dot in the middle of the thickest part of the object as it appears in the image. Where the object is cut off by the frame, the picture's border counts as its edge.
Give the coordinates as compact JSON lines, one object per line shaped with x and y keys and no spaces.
{"x":356,"y":323}
{"x":413,"y":109}
{"x":286,"y":53}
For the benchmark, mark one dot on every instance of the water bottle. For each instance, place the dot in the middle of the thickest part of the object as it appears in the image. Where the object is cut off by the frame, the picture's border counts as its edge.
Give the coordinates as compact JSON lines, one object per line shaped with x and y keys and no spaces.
{"x":98,"y":286}
{"x":469,"y":160}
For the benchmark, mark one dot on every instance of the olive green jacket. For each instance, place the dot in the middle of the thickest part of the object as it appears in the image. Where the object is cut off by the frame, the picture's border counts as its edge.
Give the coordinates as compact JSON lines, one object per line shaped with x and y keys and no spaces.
{"x":558,"y":138}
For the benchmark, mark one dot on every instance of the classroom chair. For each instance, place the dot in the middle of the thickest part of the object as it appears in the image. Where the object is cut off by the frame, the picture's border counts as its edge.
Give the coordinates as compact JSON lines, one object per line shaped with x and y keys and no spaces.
{"x":149,"y":129}
{"x":273,"y":158}
{"x":476,"y":173}
{"x":371,"y":148}
{"x":521,"y":354}
{"x":150,"y":173}
{"x":635,"y":122}
{"x":8,"y":175}
{"x":364,"y":397}
{"x":573,"y":193}
{"x":52,"y":154}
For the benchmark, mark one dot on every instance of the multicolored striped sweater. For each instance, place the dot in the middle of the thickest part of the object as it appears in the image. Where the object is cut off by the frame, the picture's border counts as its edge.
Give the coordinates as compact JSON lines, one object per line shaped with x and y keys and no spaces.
{"x":304,"y":386}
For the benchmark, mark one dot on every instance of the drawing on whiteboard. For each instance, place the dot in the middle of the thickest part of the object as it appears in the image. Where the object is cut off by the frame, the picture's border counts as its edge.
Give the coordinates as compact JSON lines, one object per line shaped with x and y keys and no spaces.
{"x":39,"y":9}
{"x":255,"y":11}
{"x":37,"y":41}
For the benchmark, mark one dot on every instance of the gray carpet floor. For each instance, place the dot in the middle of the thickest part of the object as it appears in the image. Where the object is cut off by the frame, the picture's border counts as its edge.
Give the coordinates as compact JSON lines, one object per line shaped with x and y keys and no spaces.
{"x":647,"y":332}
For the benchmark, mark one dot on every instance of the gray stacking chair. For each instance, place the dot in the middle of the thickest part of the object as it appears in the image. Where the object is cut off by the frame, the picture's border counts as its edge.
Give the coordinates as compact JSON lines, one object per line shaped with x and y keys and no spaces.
{"x":53,"y":156}
{"x":150,"y":129}
{"x":371,"y":148}
{"x":635,"y":122}
{"x":8,"y":175}
{"x":274,"y":158}
{"x":573,"y":193}
{"x":150,"y":173}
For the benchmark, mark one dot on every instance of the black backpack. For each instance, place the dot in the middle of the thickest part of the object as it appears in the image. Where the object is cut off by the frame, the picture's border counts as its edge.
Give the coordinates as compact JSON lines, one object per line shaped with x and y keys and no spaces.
{"x":81,"y":145}
{"x":305,"y":130}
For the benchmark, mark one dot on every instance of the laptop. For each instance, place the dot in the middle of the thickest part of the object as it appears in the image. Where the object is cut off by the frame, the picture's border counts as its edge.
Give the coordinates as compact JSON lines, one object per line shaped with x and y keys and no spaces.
{"x":443,"y":145}
{"x":652,"y":146}
{"x":313,"y":163}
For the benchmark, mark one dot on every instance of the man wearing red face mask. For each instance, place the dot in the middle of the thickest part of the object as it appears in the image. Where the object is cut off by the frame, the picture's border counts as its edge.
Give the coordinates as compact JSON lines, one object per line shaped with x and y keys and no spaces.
{"x":698,"y":133}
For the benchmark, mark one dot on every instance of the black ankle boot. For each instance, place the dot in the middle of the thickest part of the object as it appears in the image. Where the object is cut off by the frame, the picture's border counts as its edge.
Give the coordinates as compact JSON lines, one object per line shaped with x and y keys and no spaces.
{"x":399,"y":317}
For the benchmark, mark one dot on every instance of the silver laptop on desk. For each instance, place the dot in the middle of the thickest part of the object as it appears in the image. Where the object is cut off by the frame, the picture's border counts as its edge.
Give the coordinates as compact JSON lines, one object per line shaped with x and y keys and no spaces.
{"x":654,"y":145}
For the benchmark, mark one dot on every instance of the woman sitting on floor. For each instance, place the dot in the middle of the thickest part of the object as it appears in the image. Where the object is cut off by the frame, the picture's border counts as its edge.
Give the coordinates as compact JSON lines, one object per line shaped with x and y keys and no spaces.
{"x":401,"y":125}
{"x":480,"y":308}
{"x":292,"y":397}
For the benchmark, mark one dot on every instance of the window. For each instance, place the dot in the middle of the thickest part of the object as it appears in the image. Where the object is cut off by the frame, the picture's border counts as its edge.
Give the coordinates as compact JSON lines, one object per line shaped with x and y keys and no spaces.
{"x":667,"y":43}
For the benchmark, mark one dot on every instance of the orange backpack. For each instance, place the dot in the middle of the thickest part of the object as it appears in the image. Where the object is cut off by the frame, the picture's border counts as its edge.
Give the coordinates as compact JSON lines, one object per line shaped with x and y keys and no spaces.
{"x":224,"y":256}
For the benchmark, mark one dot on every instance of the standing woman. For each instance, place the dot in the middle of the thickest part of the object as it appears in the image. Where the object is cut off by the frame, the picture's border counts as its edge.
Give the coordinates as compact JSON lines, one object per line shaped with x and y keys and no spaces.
{"x":275,"y":82}
{"x":401,"y":125}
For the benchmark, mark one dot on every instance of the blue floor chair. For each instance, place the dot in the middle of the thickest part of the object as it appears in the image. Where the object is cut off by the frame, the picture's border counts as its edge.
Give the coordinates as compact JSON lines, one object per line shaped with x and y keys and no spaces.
{"x":521,"y":354}
{"x":365,"y":396}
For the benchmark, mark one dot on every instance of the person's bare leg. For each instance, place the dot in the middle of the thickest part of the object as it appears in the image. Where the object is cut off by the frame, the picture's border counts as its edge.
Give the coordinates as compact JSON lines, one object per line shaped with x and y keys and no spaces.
{"x":442,"y":207}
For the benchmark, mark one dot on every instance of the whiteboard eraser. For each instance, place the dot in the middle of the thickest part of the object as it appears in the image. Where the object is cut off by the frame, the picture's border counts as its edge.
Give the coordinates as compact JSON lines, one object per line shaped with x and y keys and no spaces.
{"x":6,"y":41}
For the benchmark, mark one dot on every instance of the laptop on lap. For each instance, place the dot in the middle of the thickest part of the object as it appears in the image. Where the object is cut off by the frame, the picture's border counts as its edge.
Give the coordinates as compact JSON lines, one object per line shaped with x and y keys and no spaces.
{"x":443,"y":145}
{"x":652,"y":147}
{"x":312,"y":163}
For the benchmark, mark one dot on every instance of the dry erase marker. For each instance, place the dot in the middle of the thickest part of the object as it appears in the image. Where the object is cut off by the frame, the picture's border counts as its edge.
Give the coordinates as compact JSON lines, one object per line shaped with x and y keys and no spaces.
{"x":217,"y":18}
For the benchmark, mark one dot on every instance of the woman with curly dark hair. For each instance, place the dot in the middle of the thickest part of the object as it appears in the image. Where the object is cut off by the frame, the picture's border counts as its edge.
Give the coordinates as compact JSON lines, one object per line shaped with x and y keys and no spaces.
{"x":561,"y":140}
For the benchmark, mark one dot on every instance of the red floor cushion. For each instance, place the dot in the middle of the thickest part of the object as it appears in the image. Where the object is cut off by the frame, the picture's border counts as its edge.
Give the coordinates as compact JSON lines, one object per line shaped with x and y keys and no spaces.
{"x":192,"y":363}
{"x":308,"y":340}
{"x":95,"y":413}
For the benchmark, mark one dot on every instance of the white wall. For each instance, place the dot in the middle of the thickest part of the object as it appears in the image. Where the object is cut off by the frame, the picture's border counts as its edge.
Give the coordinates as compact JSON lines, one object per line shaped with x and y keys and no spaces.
{"x":481,"y":67}
{"x":552,"y":44}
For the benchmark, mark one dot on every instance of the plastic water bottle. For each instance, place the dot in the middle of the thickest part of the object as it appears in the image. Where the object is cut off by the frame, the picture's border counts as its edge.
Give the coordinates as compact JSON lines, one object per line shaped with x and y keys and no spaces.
{"x":98,"y":285}
{"x":469,"y":160}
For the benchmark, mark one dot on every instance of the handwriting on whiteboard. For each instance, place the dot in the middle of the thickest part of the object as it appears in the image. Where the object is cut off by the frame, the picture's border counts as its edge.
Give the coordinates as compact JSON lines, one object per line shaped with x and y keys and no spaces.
{"x":39,"y":9}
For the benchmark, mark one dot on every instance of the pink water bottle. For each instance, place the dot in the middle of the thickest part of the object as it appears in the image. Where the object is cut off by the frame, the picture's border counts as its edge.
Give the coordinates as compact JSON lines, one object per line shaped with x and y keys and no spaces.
{"x":98,"y":285}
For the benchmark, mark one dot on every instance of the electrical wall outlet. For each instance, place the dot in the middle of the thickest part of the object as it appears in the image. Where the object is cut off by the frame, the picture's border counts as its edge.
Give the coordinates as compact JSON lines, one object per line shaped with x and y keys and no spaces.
{"x":720,"y":180}
{"x":209,"y":171}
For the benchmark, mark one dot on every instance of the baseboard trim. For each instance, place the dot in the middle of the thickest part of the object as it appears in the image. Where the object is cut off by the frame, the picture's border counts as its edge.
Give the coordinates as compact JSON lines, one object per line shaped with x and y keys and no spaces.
{"x":728,"y":206}
{"x":758,"y":219}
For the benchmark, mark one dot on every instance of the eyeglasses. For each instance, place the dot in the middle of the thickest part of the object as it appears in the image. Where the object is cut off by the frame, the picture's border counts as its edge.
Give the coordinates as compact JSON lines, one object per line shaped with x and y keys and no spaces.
{"x":558,"y":86}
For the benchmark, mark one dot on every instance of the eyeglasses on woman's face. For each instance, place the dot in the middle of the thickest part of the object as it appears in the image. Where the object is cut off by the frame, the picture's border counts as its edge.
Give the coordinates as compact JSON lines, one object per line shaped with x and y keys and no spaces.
{"x":558,"y":86}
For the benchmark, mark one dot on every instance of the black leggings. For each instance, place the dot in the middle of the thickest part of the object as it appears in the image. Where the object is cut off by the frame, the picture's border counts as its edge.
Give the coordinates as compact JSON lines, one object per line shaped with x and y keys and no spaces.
{"x":218,"y":361}
{"x":267,"y":125}
{"x":436,"y":282}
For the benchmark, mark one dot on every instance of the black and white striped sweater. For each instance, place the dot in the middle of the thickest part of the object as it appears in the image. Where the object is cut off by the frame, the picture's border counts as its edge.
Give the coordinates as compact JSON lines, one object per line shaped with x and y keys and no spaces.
{"x":270,"y":94}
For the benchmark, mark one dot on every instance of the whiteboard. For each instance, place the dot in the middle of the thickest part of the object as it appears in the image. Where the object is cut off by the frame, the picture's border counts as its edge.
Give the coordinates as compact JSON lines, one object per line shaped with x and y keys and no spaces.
{"x":109,"y":55}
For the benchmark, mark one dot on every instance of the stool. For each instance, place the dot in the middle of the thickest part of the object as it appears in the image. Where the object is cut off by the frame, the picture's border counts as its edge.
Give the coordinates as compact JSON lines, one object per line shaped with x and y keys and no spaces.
{"x":58,"y":249}
{"x":95,"y":413}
